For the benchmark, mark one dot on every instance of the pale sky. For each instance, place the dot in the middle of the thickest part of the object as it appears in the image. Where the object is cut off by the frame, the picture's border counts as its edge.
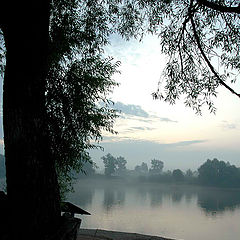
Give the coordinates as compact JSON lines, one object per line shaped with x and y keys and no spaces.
{"x":173,"y":134}
{"x":152,"y":129}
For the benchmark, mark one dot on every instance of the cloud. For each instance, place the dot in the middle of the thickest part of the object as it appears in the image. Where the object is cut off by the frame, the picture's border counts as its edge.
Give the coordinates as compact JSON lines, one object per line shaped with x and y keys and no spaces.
{"x":137,"y":111}
{"x":138,"y":128}
{"x":137,"y":123}
{"x":186,"y":143}
{"x":164,"y":119}
{"x":125,"y":51}
{"x":131,"y":109}
{"x":228,"y":126}
{"x":132,"y":129}
{"x":147,"y":143}
{"x":143,"y":128}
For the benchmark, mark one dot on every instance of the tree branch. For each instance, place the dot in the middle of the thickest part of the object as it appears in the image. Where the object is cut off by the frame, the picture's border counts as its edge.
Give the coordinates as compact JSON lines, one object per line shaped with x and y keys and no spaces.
{"x":218,"y":7}
{"x":207,"y":60}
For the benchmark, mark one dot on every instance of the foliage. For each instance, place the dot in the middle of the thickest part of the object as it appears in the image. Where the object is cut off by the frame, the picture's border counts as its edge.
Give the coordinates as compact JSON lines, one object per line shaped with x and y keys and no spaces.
{"x":79,"y":79}
{"x":177,"y":175}
{"x":110,"y":164}
{"x":78,"y":83}
{"x":189,"y":173}
{"x":156,"y":166}
{"x":202,"y":41}
{"x":121,"y":165}
{"x":114,"y":165}
{"x":75,"y":116}
{"x":89,"y":168}
{"x":142,"y":169}
{"x":218,"y":173}
{"x":200,"y":38}
{"x":194,"y":34}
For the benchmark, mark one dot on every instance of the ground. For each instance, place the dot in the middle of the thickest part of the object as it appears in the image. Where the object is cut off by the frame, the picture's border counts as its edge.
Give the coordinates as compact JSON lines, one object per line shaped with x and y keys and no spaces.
{"x":97,"y":234}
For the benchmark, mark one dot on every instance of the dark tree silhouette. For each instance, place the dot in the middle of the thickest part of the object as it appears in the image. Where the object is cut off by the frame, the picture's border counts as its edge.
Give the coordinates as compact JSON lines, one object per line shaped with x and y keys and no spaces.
{"x":110,"y":163}
{"x":156,"y":166}
{"x":121,"y":165}
{"x":177,"y":175}
{"x":218,"y":173}
{"x":32,"y":188}
{"x":53,"y":79}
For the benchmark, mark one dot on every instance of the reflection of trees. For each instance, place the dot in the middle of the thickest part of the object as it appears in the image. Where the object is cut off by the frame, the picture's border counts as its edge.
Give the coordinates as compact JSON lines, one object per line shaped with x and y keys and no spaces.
{"x":142,"y":194}
{"x":82,"y":197}
{"x":216,"y":201}
{"x":156,"y":196}
{"x":177,"y":196}
{"x":211,"y":200}
{"x":113,"y":197}
{"x":86,"y":197}
{"x":121,"y":196}
{"x":108,"y":200}
{"x":189,"y":195}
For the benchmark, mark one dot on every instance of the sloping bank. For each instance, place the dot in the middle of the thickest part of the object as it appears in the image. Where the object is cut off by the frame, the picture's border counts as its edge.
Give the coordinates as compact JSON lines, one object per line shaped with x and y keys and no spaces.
{"x":97,"y":234}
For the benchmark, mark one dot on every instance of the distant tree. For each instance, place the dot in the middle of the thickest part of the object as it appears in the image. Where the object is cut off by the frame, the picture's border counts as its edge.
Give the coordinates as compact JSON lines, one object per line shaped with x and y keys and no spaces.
{"x":121,"y":165}
{"x":110,"y":164}
{"x":177,"y":175}
{"x":137,"y":168}
{"x":189,"y":173}
{"x":156,"y":166}
{"x":169,"y":173}
{"x":89,"y":168}
{"x":142,"y":169}
{"x":218,"y":173}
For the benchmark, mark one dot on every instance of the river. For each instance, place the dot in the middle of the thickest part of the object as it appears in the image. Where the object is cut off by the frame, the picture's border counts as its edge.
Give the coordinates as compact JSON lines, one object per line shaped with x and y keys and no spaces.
{"x":174,"y":211}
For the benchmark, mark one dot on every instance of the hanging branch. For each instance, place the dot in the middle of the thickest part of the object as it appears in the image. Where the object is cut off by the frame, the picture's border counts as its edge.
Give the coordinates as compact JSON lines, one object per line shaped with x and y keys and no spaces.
{"x":220,"y":8}
{"x":207,"y":60}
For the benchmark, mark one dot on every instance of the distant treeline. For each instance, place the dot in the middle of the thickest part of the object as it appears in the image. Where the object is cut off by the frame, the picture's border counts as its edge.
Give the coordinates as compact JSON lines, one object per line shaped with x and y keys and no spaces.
{"x":211,"y":173}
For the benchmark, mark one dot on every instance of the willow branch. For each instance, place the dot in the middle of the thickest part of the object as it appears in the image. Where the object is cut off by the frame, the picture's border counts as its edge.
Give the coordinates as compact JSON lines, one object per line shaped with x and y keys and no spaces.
{"x":220,"y":8}
{"x":207,"y":60}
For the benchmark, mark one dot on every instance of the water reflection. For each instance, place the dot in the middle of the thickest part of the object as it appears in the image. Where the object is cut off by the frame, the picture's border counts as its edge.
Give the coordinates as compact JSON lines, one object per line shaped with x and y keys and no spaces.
{"x":177,"y":196}
{"x":211,"y":201}
{"x":174,"y":211}
{"x":113,"y":197}
{"x":121,"y":193}
{"x":141,"y":194}
{"x":156,"y":196}
{"x":82,"y":196}
{"x":108,"y":199}
{"x":218,"y":201}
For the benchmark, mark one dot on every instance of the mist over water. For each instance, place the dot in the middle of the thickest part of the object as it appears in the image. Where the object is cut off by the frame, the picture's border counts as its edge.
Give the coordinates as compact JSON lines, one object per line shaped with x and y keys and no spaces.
{"x":174,"y":211}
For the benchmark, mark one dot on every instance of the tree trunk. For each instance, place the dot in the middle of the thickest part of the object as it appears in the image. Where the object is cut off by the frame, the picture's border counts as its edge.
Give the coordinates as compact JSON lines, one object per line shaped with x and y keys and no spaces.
{"x":32,"y":187}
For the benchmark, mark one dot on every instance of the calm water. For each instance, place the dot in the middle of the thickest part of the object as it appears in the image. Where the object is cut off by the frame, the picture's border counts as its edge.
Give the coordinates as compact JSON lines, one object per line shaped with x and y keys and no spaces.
{"x":190,"y":213}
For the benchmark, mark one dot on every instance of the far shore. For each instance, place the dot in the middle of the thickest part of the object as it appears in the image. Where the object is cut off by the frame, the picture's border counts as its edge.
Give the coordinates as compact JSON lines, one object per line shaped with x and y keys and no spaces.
{"x":98,"y":234}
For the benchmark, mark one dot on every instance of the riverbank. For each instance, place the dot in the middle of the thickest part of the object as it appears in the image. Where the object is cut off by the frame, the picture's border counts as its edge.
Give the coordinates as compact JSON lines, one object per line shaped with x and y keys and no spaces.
{"x":98,"y":234}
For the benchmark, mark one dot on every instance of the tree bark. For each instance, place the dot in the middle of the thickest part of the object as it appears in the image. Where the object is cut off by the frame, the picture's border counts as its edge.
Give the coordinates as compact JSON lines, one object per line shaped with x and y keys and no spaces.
{"x":32,"y":187}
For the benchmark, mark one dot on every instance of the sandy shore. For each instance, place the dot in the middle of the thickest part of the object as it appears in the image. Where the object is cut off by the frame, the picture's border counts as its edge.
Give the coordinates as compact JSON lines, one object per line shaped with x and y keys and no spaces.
{"x":98,"y":234}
